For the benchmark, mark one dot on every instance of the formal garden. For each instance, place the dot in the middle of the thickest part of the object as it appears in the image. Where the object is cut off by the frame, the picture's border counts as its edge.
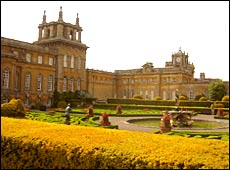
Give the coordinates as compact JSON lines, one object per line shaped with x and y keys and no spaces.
{"x":41,"y":138}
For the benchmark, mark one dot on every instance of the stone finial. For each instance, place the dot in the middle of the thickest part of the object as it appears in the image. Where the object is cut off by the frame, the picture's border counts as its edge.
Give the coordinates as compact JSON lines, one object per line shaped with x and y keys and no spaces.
{"x":77,"y":20}
{"x":60,"y":14}
{"x":44,"y":17}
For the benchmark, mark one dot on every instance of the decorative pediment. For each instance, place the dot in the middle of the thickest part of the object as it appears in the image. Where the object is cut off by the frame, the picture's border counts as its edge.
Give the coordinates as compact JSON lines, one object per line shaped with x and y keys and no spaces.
{"x":147,"y":67}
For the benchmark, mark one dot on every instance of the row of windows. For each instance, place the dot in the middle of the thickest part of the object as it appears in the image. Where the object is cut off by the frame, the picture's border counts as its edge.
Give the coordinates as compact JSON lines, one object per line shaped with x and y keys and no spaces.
{"x":72,"y":61}
{"x":148,"y":80}
{"x":40,"y":59}
{"x":5,"y":83}
{"x":71,"y":84}
{"x":51,"y":60}
{"x":6,"y":76}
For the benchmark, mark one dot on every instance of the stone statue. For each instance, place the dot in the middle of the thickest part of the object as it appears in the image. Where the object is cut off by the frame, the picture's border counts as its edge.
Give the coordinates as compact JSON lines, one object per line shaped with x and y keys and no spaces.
{"x":67,"y":115}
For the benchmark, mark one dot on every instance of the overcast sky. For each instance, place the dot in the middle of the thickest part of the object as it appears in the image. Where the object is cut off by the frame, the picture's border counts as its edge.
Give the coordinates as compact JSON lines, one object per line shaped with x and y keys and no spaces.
{"x":125,"y":35}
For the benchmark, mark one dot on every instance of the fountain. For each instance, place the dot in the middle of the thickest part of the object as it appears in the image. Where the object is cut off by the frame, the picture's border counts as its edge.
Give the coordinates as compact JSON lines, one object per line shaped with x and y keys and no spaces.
{"x":180,"y":118}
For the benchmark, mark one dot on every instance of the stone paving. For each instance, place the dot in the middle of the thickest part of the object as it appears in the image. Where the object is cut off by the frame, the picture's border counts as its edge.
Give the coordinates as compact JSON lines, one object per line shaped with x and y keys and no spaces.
{"x":123,"y":124}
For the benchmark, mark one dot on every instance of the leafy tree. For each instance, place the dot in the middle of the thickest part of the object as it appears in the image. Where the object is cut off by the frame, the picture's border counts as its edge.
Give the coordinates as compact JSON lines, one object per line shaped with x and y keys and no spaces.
{"x":216,"y":90}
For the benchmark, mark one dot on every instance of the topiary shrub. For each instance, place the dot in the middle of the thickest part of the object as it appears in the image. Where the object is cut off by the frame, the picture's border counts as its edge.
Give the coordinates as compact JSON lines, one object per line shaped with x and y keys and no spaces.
{"x":203,"y":99}
{"x":137,"y":96}
{"x":183,"y":98}
{"x":119,"y":109}
{"x":14,"y":108}
{"x":37,"y":105}
{"x":61,"y":104}
{"x":158,"y":98}
{"x":218,"y":105}
{"x":225,"y":99}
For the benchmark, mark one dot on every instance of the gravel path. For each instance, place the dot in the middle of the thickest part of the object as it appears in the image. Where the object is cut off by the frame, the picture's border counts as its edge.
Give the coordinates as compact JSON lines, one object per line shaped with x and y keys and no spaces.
{"x":124,"y":125}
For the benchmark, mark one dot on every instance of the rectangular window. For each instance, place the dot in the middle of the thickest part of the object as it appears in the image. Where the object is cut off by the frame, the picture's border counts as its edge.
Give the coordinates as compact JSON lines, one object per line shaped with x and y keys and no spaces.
{"x":124,"y":93}
{"x":28,"y":57}
{"x":27,"y":81}
{"x":50,"y":83}
{"x":79,"y":63}
{"x":51,"y":60}
{"x":39,"y":59}
{"x":39,"y":83}
{"x":72,"y":62}
{"x":6,"y":78}
{"x":65,"y":60}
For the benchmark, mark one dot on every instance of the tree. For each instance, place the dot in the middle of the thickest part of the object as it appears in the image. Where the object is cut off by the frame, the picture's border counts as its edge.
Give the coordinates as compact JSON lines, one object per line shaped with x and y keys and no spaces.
{"x":216,"y":90}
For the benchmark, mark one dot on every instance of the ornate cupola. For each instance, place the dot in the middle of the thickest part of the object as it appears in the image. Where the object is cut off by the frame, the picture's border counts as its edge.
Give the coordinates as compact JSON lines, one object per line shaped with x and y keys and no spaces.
{"x":55,"y":32}
{"x":180,"y":59}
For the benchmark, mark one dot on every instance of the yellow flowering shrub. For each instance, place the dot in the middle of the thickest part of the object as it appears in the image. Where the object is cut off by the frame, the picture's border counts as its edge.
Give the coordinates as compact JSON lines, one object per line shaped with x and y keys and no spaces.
{"x":34,"y":144}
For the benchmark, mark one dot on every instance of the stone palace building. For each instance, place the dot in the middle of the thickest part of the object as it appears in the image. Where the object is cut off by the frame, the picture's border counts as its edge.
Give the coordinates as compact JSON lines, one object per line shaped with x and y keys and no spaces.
{"x":57,"y":61}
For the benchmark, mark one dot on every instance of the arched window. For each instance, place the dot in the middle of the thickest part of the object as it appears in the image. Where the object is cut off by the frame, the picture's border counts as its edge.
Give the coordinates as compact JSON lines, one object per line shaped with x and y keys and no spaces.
{"x":79,"y":62}
{"x":71,"y":35}
{"x":27,"y":81}
{"x":43,"y":33}
{"x":50,"y":83}
{"x":72,"y":84}
{"x":64,"y":84}
{"x":39,"y":82}
{"x":72,"y":62}
{"x":65,"y":60}
{"x":5,"y":83}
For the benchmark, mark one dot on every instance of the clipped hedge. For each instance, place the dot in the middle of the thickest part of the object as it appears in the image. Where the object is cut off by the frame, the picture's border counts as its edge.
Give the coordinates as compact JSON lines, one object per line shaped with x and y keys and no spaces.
{"x":166,"y":102}
{"x":14,"y":108}
{"x":41,"y":145}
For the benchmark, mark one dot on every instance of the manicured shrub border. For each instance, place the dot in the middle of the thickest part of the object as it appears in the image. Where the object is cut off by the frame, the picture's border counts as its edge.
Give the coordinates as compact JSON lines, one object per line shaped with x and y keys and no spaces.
{"x":42,"y":145}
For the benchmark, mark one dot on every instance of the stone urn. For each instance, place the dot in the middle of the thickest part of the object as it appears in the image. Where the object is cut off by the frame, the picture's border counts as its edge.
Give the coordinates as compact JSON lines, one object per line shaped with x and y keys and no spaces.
{"x":165,"y":125}
{"x":105,"y":119}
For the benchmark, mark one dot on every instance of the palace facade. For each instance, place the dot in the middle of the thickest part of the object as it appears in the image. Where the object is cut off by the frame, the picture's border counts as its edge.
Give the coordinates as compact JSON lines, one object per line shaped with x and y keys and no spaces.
{"x":57,"y":61}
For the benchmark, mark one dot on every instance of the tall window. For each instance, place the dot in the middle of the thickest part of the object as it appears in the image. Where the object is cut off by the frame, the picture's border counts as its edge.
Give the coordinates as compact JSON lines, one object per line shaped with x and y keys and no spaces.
{"x":65,"y":60}
{"x":72,"y":62}
{"x":72,"y":84}
{"x":64,"y":83}
{"x":78,"y":84}
{"x":39,"y":82}
{"x":5,"y":82}
{"x":28,"y":57}
{"x":50,"y":83}
{"x":27,"y":81}
{"x":79,"y":63}
{"x":39,"y":59}
{"x":51,"y":60}
{"x":124,"y":93}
